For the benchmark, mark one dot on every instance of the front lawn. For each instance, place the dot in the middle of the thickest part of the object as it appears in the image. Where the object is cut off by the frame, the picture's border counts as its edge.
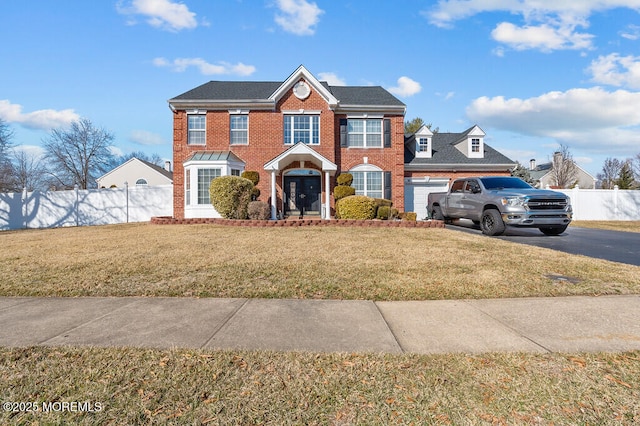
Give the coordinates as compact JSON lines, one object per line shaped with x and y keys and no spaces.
{"x":301,"y":262}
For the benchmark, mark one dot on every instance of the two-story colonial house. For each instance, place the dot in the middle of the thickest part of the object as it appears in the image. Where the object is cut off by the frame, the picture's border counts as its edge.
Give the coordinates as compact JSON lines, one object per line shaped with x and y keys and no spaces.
{"x":299,"y":134}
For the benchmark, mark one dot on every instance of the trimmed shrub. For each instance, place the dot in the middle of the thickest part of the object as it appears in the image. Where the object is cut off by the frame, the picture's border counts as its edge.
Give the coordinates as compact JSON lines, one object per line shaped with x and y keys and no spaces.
{"x":383,"y":202}
{"x":230,"y":196}
{"x":254,"y":177}
{"x":394,"y":213}
{"x":344,"y":179}
{"x":259,"y":210}
{"x":340,"y":192}
{"x":357,"y":207}
{"x":384,"y":212}
{"x":411,"y":216}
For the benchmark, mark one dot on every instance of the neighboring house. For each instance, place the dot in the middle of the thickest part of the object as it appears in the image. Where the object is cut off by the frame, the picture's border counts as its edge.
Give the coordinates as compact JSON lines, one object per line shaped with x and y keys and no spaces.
{"x":299,"y":134}
{"x":541,"y":173}
{"x":136,"y":172}
{"x":432,"y":160}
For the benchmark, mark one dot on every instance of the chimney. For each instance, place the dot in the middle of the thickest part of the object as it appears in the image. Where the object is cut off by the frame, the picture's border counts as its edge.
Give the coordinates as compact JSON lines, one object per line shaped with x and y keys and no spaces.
{"x":532,"y":164}
{"x":167,"y":166}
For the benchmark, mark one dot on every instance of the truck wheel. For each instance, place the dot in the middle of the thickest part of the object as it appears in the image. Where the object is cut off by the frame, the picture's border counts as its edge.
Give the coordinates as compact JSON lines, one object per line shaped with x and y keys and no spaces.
{"x":491,"y":223}
{"x":553,"y":230}
{"x":436,"y":213}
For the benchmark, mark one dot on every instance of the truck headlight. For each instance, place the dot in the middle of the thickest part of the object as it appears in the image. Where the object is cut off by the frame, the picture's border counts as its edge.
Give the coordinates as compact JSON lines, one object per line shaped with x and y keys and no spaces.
{"x":513,"y":201}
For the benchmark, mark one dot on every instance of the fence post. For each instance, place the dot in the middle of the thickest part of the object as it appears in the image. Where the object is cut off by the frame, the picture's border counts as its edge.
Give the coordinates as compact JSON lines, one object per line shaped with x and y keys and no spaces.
{"x":575,"y":194}
{"x":25,"y":208}
{"x":76,"y":206}
{"x":126,"y":192}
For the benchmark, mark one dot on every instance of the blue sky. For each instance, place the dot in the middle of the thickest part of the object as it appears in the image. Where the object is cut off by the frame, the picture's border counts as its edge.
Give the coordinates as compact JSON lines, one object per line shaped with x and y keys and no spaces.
{"x":532,"y":74}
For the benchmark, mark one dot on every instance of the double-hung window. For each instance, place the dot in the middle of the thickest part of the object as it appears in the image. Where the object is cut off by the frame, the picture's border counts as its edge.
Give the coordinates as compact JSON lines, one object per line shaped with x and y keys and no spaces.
{"x":302,"y":128}
{"x":365,"y":133}
{"x":368,"y":183}
{"x":239,"y":130}
{"x":475,"y":145}
{"x":205,"y":176}
{"x":197,"y":124}
{"x":423,"y":144}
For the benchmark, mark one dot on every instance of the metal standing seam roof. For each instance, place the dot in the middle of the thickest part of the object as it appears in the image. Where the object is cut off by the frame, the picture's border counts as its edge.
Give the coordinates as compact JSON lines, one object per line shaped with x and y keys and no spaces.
{"x":214,"y":156}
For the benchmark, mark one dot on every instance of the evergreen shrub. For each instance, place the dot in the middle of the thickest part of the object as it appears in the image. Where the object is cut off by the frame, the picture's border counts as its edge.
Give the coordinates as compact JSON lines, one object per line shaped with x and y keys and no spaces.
{"x":230,"y":196}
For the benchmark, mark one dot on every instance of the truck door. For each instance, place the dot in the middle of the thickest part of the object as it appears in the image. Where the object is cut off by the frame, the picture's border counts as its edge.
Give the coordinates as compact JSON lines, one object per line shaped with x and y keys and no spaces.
{"x":471,"y":199}
{"x":454,"y":199}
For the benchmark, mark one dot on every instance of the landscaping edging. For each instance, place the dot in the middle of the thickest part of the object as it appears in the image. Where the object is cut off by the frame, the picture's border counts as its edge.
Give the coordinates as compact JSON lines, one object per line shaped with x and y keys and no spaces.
{"x":165,"y":220}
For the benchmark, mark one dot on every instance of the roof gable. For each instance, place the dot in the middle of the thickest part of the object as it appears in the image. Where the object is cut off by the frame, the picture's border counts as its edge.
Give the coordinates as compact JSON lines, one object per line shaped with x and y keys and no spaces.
{"x":303,"y":74}
{"x":157,"y":169}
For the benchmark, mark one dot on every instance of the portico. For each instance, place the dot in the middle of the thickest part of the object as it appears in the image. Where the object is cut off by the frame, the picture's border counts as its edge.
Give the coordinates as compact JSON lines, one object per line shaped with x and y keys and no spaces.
{"x":304,"y":184}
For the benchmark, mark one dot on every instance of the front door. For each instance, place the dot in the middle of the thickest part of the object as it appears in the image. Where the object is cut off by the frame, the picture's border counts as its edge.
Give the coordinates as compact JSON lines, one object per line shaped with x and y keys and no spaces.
{"x":302,"y":192}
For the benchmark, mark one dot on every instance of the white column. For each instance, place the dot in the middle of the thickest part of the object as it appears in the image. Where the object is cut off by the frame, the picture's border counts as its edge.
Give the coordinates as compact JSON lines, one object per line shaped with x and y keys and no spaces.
{"x":274,"y":209}
{"x":327,"y":197}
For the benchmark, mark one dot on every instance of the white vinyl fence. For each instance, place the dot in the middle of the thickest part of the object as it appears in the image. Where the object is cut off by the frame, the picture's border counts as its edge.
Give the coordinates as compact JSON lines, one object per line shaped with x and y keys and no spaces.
{"x":84,"y":207}
{"x":604,"y":204}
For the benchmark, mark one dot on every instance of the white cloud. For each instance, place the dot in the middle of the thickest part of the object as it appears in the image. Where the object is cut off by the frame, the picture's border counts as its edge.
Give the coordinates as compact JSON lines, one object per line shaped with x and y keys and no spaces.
{"x":143,"y":137}
{"x":616,"y":70}
{"x":44,"y":119}
{"x":181,"y":65}
{"x":406,"y":87}
{"x":332,"y":79}
{"x":589,"y":118}
{"x":298,"y":16}
{"x":632,"y":32}
{"x":548,"y":24}
{"x":542,"y":37}
{"x":163,"y":14}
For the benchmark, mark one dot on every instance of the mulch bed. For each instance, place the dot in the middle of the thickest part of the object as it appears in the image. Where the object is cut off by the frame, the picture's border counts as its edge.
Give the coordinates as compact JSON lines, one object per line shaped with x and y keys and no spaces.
{"x":166,"y":220}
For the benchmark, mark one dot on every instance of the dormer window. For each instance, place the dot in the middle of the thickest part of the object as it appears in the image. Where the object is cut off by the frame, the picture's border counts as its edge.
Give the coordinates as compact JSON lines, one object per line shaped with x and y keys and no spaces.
{"x":423,"y":142}
{"x":475,"y":145}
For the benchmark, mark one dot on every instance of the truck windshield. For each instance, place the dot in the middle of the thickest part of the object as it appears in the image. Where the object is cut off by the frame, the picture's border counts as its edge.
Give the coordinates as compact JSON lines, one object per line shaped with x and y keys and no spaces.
{"x":504,"y":183}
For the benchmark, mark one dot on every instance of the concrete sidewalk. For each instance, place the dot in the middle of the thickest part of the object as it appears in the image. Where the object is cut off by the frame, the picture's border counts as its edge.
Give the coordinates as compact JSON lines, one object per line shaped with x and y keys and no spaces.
{"x":563,"y":324}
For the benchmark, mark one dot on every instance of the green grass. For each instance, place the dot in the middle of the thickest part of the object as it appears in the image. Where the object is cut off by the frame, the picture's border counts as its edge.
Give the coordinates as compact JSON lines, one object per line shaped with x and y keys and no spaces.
{"x":138,"y":386}
{"x":301,"y":262}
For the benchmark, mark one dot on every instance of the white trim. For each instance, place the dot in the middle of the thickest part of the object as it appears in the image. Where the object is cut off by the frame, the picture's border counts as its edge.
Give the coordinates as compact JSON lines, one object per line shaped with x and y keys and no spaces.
{"x":300,"y":152}
{"x":301,"y":73}
{"x":366,"y":168}
{"x":301,"y":112}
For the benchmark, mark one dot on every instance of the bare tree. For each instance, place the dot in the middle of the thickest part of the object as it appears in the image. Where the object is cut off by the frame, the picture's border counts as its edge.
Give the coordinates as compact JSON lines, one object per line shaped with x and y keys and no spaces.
{"x":563,"y":169}
{"x":6,"y":168}
{"x":635,"y":166}
{"x":30,"y":171}
{"x":79,"y":155}
{"x":610,"y":172}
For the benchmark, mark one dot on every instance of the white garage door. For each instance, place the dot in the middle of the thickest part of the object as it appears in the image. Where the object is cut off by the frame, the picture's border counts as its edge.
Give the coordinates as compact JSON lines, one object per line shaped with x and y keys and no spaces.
{"x":416,"y":193}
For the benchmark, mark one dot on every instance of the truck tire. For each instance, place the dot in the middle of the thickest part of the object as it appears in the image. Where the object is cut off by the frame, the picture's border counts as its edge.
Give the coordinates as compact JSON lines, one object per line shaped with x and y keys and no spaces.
{"x":491,"y":223}
{"x":553,"y":230}
{"x":436,"y":213}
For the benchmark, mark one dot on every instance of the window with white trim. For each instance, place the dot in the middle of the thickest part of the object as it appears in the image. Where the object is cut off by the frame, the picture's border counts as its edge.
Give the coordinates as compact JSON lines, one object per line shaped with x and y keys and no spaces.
{"x":302,"y":128}
{"x":197,"y":124}
{"x":423,"y":144}
{"x":205,"y":176}
{"x":187,"y":186}
{"x":369,"y":183}
{"x":364,"y":133}
{"x":239,"y":125}
{"x":475,"y":145}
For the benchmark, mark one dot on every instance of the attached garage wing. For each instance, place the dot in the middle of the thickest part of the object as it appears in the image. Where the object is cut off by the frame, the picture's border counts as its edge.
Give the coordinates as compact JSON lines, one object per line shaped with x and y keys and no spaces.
{"x":416,"y":191}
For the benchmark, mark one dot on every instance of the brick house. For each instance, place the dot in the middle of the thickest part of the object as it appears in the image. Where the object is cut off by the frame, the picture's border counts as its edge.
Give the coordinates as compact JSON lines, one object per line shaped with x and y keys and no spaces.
{"x":298,"y":134}
{"x":301,"y":133}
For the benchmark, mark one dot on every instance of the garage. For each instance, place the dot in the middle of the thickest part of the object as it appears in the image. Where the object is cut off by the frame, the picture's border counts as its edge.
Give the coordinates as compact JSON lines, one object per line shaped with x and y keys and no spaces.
{"x":416,"y":191}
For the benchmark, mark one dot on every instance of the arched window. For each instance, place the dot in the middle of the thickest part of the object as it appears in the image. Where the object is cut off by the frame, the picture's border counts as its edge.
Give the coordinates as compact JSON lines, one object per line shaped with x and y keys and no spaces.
{"x":368,"y":180}
{"x":141,"y":181}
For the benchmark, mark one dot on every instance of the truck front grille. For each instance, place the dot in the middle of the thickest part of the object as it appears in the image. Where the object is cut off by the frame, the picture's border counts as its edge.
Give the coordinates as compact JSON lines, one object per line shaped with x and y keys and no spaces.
{"x":547,"y":204}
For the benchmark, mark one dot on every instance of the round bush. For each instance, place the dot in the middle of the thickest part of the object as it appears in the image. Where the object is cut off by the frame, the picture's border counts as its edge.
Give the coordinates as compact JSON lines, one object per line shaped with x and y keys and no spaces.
{"x":254,"y":177}
{"x":357,"y":207}
{"x":340,"y":192}
{"x":384,"y":212}
{"x":259,"y":210}
{"x":344,"y":179}
{"x":230,"y":196}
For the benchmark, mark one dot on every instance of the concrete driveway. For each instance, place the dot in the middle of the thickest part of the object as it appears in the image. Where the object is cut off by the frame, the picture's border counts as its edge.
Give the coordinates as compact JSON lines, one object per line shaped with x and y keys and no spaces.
{"x":623,"y":247}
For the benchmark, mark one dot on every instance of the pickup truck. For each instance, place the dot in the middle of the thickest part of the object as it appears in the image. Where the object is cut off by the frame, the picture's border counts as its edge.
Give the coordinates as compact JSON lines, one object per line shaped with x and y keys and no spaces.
{"x":497,"y":201}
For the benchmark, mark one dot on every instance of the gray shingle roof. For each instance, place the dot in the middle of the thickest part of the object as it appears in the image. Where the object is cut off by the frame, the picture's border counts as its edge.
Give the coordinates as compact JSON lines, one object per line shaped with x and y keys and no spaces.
{"x":261,"y":90}
{"x":159,"y":169}
{"x":445,"y":152}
